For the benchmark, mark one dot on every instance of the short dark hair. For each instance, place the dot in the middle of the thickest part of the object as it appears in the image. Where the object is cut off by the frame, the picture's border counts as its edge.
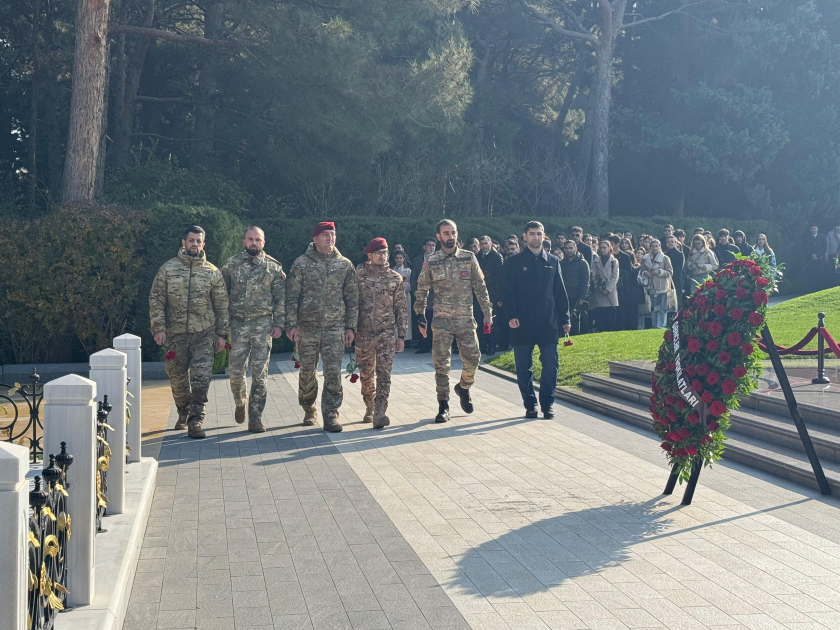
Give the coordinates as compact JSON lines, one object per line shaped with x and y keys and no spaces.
{"x":577,"y":228}
{"x":253,"y":227}
{"x":195,"y":229}
{"x":483,"y":236}
{"x":699,"y":230}
{"x":534,"y":225}
{"x":570,"y":242}
{"x":679,"y":232}
{"x":445,"y":222}
{"x":431,"y":239}
{"x":739,"y":233}
{"x":723,"y":232}
{"x":613,"y":238}
{"x":667,"y":225}
{"x":563,"y":234}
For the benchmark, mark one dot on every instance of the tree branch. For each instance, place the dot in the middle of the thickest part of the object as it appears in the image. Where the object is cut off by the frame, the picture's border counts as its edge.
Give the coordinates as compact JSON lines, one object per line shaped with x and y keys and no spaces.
{"x":662,"y":16}
{"x":170,"y":36}
{"x":586,"y":36}
{"x":157,"y":99}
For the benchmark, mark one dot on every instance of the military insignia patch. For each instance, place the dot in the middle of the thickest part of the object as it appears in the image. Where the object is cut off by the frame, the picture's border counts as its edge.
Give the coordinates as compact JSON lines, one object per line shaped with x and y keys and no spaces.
{"x":465,"y":273}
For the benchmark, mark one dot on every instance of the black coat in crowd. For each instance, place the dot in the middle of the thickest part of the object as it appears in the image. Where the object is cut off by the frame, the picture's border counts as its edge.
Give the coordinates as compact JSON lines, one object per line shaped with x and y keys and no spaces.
{"x":585,"y":251}
{"x":677,"y":263}
{"x":745,"y":248}
{"x":575,"y":278}
{"x":814,"y":245}
{"x":491,"y":265}
{"x":726,"y":253}
{"x":536,"y":296}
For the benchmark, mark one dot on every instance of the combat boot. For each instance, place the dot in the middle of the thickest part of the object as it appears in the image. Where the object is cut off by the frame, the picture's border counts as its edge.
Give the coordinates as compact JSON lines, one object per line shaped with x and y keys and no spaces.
{"x":182,"y":422}
{"x":380,"y":420}
{"x":309,"y":417}
{"x":464,"y":395}
{"x":368,"y":412}
{"x":239,"y":414}
{"x":443,"y":411}
{"x":256,"y":426}
{"x":332,"y":425}
{"x":195,"y":431}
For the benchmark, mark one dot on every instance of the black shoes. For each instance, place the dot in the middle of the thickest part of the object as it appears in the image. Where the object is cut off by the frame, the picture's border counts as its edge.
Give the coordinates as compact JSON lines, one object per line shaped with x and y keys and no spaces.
{"x":531,"y":412}
{"x":464,"y":395}
{"x":443,"y":411}
{"x":548,"y":414}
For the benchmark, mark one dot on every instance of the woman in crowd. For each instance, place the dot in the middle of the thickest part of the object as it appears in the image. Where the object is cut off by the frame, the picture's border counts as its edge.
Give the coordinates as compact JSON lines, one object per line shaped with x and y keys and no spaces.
{"x":657,"y":270}
{"x":644,"y":241}
{"x":635,"y":292}
{"x":629,"y":236}
{"x":400,"y":264}
{"x":763,"y":249}
{"x":701,"y":261}
{"x":626,"y":245}
{"x":640,"y":255}
{"x":603,"y":297}
{"x":595,"y":240}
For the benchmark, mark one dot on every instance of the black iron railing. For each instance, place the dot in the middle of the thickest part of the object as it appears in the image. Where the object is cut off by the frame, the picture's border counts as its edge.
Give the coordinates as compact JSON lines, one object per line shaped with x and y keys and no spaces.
{"x":18,"y":423}
{"x":103,"y":460}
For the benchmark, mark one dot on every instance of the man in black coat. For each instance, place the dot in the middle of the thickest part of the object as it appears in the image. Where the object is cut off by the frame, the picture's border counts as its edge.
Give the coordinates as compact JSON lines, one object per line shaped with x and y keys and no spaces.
{"x":583,"y":249}
{"x":673,"y":252}
{"x":576,"y":280}
{"x":741,"y":243}
{"x":537,"y":309}
{"x":724,"y":251}
{"x":627,"y":312}
{"x":491,"y":264}
{"x":814,"y":267}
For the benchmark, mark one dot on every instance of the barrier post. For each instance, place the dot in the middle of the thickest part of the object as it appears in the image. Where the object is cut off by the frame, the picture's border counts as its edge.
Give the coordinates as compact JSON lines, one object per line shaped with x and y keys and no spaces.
{"x":821,"y":379}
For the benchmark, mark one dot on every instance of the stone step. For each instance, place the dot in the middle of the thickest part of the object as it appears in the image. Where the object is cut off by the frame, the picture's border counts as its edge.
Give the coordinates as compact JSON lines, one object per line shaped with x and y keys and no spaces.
{"x":779,"y":430}
{"x":640,"y":372}
{"x":745,"y":449}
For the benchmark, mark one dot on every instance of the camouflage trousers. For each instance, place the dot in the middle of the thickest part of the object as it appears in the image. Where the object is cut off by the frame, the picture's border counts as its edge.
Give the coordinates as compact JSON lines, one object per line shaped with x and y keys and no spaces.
{"x":190,"y":371}
{"x":462,"y":330}
{"x":375,"y":354}
{"x":250,"y":340}
{"x":328,"y":344}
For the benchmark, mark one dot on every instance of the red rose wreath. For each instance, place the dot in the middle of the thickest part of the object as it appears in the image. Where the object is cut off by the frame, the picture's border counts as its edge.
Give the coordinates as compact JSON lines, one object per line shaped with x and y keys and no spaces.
{"x":718,"y":362}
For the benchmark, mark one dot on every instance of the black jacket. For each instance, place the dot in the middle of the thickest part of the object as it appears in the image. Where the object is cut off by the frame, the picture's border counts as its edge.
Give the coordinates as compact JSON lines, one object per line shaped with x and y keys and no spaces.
{"x":491,"y":266}
{"x":678,"y":263}
{"x":726,"y":254}
{"x":585,"y":251}
{"x":625,"y":268}
{"x":814,"y":245}
{"x":575,"y":278}
{"x":745,"y":248}
{"x":536,"y":296}
{"x":416,"y":266}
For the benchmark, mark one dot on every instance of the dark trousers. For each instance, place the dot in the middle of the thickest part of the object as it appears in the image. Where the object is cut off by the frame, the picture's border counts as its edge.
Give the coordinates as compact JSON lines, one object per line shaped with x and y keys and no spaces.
{"x":604,"y":318}
{"x":523,"y":355}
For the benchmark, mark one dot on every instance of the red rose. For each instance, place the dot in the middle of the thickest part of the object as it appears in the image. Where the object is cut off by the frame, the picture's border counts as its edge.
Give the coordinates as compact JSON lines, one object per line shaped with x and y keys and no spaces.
{"x":747,"y":349}
{"x":717,"y":408}
{"x":729,"y":387}
{"x":680,"y":404}
{"x":691,"y":450}
{"x":713,"y":378}
{"x":670,"y":366}
{"x":693,"y":344}
{"x":673,"y":437}
{"x":703,"y":325}
{"x":733,"y":339}
{"x":713,"y":425}
{"x":707,"y":397}
{"x":760,"y":297}
{"x":228,"y":346}
{"x":761,"y":282}
{"x":680,"y":452}
{"x":669,"y":399}
{"x":669,"y":336}
{"x":652,"y":400}
{"x":741,"y":293}
{"x":354,"y":378}
{"x":739,"y":372}
{"x":170,"y":355}
{"x":755,"y":271}
{"x":686,"y":314}
{"x":720,"y":294}
{"x":671,"y":415}
{"x":691,"y":370}
{"x":693,"y":418}
{"x":684,"y":432}
{"x":715,"y":328}
{"x":720,"y":310}
{"x":568,"y":343}
{"x":297,"y":365}
{"x":736,"y":314}
{"x":707,"y":439}
{"x":666,"y":446}
{"x":724,"y":357}
{"x":703,"y":369}
{"x":697,"y":386}
{"x":755,"y":319}
{"x":713,"y":345}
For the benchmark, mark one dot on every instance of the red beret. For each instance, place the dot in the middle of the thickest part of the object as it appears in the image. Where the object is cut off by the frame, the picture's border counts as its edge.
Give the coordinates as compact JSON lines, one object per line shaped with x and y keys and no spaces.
{"x":375,"y":245}
{"x":323,"y":226}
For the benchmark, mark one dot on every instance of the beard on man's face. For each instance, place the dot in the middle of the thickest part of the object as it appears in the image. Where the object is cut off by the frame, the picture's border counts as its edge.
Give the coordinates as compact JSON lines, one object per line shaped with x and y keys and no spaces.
{"x":449,"y":244}
{"x":192,"y":250}
{"x":252,"y":251}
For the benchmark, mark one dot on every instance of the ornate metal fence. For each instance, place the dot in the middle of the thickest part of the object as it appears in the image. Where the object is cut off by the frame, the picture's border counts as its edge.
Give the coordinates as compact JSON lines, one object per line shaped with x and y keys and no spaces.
{"x":13,"y":414}
{"x":103,"y":460}
{"x":50,"y":528}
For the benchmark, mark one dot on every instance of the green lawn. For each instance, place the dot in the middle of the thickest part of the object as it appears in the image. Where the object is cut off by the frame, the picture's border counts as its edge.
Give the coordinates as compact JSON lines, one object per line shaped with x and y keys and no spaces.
{"x":788,"y":322}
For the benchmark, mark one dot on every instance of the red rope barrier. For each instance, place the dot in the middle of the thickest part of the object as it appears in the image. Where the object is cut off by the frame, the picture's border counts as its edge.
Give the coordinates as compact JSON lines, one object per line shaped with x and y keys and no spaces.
{"x":797,"y":348}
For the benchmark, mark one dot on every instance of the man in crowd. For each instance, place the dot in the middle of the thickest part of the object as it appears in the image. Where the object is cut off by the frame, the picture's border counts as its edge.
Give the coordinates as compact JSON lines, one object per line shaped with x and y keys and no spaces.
{"x":627,"y":312}
{"x":538,"y":309}
{"x":188,"y":311}
{"x":491,"y":263}
{"x":455,"y":276}
{"x":511,"y":248}
{"x":814,"y":262}
{"x":559,"y":240}
{"x":672,"y":251}
{"x":741,"y":243}
{"x":322,"y":307}
{"x":424,"y":344}
{"x":576,"y":280}
{"x":680,"y":236}
{"x":724,"y":251}
{"x":583,"y":249}
{"x":832,"y":252}
{"x":381,"y":330}
{"x":667,"y":230}
{"x":256,"y":287}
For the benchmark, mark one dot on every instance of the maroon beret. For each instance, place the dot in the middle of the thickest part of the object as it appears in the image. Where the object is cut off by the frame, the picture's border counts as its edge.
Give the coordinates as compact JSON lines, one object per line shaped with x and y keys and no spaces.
{"x":375,"y":245}
{"x":323,"y":226}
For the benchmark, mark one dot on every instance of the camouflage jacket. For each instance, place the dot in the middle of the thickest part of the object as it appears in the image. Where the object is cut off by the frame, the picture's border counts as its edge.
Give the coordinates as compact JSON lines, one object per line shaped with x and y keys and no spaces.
{"x":454,"y":278}
{"x":321,"y":291}
{"x":188,"y":296}
{"x":382,"y":303}
{"x":256,"y":288}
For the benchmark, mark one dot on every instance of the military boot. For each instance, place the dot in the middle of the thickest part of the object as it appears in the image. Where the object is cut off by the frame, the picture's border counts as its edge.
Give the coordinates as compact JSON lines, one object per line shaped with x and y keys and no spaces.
{"x":331,"y":424}
{"x":368,"y":412}
{"x":380,"y":420}
{"x":309,"y":417}
{"x":255,"y":425}
{"x":239,"y":414}
{"x":443,"y":411}
{"x":182,"y":422}
{"x":195,"y":431}
{"x":464,"y":395}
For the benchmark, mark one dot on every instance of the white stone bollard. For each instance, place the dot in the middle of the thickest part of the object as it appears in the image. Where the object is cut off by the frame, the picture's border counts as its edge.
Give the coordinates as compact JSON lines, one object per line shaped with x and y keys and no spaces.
{"x":130,"y":345}
{"x":14,"y":533}
{"x":70,"y":416}
{"x":107,"y":370}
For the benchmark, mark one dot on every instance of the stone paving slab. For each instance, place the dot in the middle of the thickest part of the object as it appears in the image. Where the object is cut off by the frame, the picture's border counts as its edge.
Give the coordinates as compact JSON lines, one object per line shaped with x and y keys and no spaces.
{"x":489,"y":521}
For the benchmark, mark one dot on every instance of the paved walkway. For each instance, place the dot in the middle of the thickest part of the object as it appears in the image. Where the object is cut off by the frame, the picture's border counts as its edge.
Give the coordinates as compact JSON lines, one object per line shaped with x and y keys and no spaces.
{"x":489,"y":521}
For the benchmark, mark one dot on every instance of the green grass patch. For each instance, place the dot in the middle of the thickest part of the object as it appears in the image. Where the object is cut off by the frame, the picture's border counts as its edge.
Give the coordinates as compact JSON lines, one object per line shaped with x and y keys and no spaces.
{"x":788,"y":322}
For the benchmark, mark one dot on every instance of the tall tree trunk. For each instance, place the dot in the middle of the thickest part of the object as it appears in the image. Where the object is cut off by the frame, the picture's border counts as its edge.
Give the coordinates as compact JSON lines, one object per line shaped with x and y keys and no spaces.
{"x":86,"y":102}
{"x":54,"y":141}
{"x":205,"y":113}
{"x":601,"y":130}
{"x":99,"y":180}
{"x":32,"y":188}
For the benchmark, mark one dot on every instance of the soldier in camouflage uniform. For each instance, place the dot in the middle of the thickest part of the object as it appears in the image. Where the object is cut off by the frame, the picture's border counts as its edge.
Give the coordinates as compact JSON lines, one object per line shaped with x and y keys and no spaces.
{"x":188,"y":309}
{"x":383,"y":325}
{"x":322,"y":306}
{"x":454,"y":275}
{"x":256,"y":287}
